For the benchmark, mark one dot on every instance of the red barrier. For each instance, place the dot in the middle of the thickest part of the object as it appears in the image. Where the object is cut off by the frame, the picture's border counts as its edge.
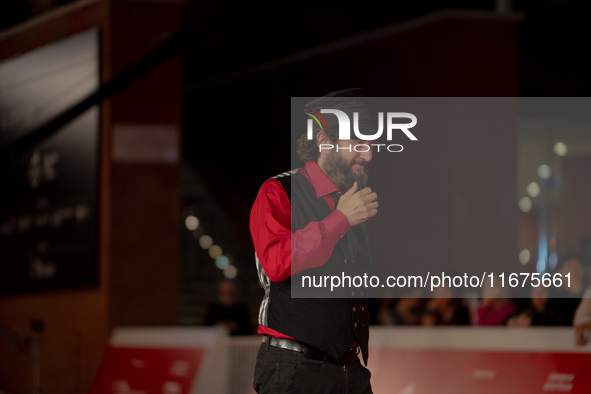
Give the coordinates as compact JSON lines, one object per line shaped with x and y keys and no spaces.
{"x":169,"y":360}
{"x":143,"y":371}
{"x":415,"y":360}
{"x":472,"y":360}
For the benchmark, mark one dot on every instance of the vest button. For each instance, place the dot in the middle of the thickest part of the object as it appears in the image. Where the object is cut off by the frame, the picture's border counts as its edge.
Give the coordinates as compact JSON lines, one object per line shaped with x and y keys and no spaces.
{"x":361,"y":293}
{"x":355,"y":325}
{"x":345,"y":261}
{"x":362,"y":308}
{"x":353,"y":293}
{"x":354,"y":310}
{"x":363,"y":325}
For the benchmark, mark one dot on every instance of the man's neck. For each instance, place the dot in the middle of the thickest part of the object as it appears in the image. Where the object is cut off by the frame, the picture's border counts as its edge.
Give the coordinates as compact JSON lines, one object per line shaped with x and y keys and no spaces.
{"x":336,"y":182}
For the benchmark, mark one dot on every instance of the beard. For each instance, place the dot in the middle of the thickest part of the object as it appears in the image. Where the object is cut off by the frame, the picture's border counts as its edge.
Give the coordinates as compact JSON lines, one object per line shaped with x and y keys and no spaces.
{"x":341,"y":173}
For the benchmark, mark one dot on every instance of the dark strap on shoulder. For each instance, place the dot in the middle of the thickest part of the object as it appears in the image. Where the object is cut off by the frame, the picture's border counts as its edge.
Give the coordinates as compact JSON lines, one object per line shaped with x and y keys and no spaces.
{"x":285,"y":180}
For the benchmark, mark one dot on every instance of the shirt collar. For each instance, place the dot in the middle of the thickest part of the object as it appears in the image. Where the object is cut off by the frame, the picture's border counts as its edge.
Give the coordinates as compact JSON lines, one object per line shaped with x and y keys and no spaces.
{"x":322,"y":185}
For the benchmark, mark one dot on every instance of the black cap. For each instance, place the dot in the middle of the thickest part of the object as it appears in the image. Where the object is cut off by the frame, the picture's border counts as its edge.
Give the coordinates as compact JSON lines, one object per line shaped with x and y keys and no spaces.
{"x":348,"y":101}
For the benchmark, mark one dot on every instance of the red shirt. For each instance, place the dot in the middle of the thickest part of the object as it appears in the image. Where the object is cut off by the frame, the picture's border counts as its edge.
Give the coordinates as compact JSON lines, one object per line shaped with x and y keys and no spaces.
{"x":282,"y":253}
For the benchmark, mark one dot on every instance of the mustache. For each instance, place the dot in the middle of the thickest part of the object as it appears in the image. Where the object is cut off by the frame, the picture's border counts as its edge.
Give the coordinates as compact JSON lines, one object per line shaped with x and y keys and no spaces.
{"x":360,"y":162}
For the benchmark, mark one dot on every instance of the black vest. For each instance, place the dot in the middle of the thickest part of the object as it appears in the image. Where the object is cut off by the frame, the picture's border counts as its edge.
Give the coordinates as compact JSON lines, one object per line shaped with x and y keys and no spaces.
{"x":329,"y":324}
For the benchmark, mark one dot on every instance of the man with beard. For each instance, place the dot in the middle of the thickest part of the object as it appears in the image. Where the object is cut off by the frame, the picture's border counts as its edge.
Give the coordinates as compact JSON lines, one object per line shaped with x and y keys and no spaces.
{"x":311,"y":221}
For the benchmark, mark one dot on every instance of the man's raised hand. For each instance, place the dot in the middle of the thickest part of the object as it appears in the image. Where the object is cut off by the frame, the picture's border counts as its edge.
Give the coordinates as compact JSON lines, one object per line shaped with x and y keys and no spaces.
{"x":358,"y":206}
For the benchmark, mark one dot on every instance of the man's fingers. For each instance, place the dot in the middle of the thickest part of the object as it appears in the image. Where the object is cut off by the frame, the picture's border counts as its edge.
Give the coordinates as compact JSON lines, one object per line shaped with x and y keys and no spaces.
{"x":352,"y":190}
{"x":372,"y":205}
{"x":373,"y":213}
{"x":371,"y":197}
{"x":365,"y":191}
{"x":368,"y":198}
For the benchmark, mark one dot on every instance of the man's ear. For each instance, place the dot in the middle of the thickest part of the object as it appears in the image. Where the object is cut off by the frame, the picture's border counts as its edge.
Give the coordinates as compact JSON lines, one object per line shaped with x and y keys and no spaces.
{"x":322,"y":138}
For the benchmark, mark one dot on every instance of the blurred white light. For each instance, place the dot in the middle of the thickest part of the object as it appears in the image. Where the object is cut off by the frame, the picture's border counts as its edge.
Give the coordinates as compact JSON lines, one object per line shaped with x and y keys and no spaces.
{"x":544,"y":171}
{"x":192,"y":222}
{"x":205,"y":241}
{"x":215,"y":251}
{"x":230,"y":272}
{"x":533,"y":189}
{"x":560,"y":149}
{"x":222,"y":262}
{"x":525,"y":204}
{"x":541,"y":266}
{"x":524,"y":256}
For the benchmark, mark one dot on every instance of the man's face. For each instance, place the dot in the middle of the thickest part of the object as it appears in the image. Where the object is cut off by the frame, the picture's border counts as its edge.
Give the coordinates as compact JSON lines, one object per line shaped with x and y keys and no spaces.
{"x":346,"y":167}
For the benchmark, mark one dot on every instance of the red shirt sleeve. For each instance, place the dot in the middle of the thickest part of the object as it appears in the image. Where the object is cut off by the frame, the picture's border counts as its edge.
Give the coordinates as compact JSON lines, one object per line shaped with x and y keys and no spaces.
{"x":282,"y":253}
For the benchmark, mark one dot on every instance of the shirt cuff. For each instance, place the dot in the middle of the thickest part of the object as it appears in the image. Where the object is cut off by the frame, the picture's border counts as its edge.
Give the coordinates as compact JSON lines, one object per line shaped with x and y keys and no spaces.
{"x":336,"y":225}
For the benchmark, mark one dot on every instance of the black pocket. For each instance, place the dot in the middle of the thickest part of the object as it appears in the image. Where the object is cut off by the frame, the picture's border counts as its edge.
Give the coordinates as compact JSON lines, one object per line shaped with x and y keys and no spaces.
{"x":286,"y":370}
{"x":260,"y":364}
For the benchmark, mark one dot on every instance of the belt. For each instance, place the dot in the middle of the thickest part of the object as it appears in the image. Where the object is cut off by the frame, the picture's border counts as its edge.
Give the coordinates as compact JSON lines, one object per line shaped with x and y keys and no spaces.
{"x":311,"y":352}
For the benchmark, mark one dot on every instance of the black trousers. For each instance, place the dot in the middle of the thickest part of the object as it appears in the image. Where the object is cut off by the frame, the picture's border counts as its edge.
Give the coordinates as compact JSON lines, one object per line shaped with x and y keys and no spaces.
{"x":285,"y":371}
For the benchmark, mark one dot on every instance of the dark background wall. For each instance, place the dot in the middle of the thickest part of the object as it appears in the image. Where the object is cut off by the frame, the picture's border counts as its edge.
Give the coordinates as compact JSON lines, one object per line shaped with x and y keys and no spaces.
{"x":252,"y":63}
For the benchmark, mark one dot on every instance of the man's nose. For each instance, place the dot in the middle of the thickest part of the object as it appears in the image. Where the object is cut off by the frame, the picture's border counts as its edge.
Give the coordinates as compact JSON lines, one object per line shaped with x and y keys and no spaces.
{"x":366,"y":155}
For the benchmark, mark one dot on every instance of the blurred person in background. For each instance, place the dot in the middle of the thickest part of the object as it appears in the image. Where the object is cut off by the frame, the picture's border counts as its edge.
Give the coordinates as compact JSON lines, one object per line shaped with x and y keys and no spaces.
{"x":401,"y":311}
{"x":582,"y":319}
{"x":536,"y":314}
{"x":564,"y":300}
{"x":227,"y":312}
{"x":312,"y":344}
{"x":445,"y":309}
{"x":495,"y":307}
